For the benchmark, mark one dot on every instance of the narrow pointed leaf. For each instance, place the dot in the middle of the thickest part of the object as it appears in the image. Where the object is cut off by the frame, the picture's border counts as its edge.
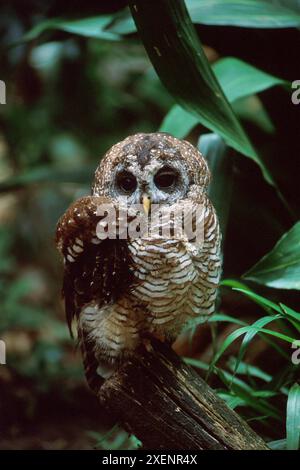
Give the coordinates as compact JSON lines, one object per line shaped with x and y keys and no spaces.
{"x":260,"y":300}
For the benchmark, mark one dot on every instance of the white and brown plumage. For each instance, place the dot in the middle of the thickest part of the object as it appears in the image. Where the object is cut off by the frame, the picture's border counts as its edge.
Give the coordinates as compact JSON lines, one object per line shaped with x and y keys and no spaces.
{"x":123,"y":290}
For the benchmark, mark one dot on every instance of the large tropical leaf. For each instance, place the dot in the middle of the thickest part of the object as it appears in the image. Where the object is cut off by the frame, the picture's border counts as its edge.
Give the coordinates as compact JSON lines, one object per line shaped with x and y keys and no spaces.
{"x":245,"y":13}
{"x":240,"y":13}
{"x":237,"y":79}
{"x":280,"y":267}
{"x":178,"y":57}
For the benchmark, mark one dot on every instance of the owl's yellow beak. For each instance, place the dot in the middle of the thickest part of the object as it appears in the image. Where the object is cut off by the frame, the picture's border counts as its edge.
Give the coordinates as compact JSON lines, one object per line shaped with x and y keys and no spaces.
{"x":146,"y":203}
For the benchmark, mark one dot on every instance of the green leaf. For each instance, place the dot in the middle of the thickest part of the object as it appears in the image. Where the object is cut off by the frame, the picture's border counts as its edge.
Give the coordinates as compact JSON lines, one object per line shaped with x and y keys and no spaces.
{"x":251,"y":109}
{"x":245,"y":13}
{"x":239,"y":79}
{"x":247,"y":369}
{"x":256,"y":326}
{"x":280,"y":268}
{"x":216,"y":154}
{"x":290,"y":312}
{"x":93,"y":27}
{"x":234,"y":284}
{"x":178,"y":122}
{"x":269,"y":306}
{"x":232,"y":401}
{"x":221,"y":317}
{"x":293,"y":419}
{"x":277,"y":445}
{"x":260,"y":300}
{"x":178,"y":57}
{"x":240,"y":13}
{"x":250,"y":331}
{"x":215,"y":318}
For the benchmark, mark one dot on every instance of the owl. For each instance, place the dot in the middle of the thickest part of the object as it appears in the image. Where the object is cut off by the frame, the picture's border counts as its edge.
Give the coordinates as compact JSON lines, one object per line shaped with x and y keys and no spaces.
{"x":125,"y":289}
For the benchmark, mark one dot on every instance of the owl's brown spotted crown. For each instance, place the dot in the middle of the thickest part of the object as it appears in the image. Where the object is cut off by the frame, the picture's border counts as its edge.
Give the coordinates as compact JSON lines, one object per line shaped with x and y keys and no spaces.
{"x":149,"y":145}
{"x":145,"y":147}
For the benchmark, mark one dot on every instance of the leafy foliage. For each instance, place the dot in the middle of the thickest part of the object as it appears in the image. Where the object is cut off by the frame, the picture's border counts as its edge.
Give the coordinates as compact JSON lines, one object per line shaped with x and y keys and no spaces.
{"x":280,"y":267}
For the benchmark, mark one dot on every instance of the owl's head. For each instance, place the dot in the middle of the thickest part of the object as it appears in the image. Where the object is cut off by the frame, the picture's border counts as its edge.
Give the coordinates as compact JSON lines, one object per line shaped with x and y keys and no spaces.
{"x":156,"y":166}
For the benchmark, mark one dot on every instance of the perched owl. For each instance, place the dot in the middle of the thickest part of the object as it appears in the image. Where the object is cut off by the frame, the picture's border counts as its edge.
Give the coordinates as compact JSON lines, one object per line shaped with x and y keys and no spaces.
{"x":125,"y":289}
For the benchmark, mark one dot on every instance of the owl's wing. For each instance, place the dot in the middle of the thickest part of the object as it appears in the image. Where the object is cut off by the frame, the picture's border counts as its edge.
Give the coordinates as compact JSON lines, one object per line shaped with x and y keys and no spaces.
{"x":95,"y":270}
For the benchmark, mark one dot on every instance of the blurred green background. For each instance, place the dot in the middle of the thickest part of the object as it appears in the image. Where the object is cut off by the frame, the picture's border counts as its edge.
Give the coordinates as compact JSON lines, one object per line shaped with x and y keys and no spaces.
{"x":72,"y":91}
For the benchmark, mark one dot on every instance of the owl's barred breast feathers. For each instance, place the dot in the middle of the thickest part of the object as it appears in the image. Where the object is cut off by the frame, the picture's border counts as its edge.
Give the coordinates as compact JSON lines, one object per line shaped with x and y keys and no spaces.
{"x":123,"y":289}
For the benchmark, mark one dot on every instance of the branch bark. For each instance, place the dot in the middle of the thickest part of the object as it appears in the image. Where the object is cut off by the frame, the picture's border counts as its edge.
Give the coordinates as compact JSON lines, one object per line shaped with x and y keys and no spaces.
{"x":161,"y":400}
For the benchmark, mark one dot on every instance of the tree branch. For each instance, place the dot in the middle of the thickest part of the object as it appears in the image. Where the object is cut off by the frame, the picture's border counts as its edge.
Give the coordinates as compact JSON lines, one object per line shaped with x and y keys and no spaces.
{"x":161,"y":400}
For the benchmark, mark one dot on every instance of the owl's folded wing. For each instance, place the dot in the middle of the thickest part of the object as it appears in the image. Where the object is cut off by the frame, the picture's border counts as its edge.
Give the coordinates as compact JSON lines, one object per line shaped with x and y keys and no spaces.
{"x":95,"y":270}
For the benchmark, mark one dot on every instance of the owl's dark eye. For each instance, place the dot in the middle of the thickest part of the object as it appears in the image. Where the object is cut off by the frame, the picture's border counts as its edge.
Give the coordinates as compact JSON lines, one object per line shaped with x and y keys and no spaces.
{"x":165,"y":178}
{"x":126,"y":181}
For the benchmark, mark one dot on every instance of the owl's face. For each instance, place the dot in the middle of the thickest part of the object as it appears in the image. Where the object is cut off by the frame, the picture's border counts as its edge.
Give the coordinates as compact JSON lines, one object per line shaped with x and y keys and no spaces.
{"x":163,"y":180}
{"x":156,"y":166}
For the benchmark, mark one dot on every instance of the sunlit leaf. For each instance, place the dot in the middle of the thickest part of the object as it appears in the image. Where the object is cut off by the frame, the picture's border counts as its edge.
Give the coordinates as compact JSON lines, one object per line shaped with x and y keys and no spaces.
{"x":239,"y":79}
{"x":178,"y":122}
{"x":246,"y":13}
